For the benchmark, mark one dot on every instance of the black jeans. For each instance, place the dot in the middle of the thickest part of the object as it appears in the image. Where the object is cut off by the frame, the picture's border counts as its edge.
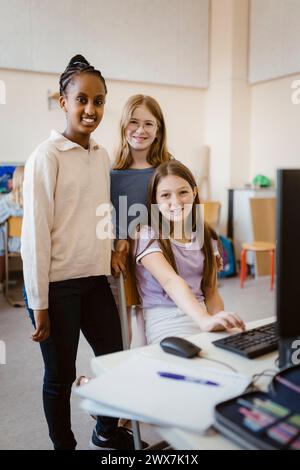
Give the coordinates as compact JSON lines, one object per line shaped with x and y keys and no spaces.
{"x":85,"y":304}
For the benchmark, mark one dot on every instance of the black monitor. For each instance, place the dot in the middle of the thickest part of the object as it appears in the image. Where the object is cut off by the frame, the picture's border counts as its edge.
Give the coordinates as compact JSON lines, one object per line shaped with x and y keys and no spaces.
{"x":288,"y":266}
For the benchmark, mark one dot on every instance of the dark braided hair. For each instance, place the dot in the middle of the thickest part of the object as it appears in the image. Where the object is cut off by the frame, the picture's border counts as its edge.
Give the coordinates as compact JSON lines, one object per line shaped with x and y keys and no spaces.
{"x":77,"y":65}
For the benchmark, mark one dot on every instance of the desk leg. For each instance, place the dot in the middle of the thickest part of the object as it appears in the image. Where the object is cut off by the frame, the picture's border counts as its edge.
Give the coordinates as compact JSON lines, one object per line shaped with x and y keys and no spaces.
{"x":123,"y":313}
{"x":230,"y":216}
{"x":136,"y":435}
{"x":125,"y":337}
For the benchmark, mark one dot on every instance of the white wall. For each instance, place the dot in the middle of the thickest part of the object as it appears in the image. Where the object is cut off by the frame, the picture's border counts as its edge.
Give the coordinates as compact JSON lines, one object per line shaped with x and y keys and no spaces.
{"x":154,"y":41}
{"x":246,"y":136}
{"x":25,"y":120}
{"x":228,"y":99}
{"x":274,"y":39}
{"x":275,"y":127}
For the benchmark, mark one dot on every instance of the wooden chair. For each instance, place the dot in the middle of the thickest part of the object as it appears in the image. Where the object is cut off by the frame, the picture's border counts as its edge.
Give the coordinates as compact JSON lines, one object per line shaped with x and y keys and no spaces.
{"x":263,"y":223}
{"x":13,"y":229}
{"x":257,"y":247}
{"x":212,"y":211}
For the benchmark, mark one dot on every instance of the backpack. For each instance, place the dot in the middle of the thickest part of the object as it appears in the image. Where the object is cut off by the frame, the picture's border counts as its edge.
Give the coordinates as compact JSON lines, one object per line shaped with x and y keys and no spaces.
{"x":229,"y":269}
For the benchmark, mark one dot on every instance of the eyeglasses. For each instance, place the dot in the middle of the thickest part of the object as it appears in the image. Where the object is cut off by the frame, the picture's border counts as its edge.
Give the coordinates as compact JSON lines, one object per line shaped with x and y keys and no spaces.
{"x":146,"y":125}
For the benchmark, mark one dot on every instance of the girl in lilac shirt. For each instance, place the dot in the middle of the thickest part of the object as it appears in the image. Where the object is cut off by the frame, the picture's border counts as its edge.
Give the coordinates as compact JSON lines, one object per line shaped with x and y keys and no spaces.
{"x":176,"y":267}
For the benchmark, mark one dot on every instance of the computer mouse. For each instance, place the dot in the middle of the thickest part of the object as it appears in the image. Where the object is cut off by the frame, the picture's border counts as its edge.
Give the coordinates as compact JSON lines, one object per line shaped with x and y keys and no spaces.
{"x":179,"y":346}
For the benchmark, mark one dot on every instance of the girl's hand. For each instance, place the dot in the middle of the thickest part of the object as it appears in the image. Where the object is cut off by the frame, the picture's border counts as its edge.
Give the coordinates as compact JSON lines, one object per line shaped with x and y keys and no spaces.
{"x":42,"y":326}
{"x":222,"y":321}
{"x":118,"y":263}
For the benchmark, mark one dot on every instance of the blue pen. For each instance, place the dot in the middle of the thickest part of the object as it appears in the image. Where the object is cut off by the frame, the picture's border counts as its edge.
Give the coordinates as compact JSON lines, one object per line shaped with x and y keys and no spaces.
{"x":169,"y":375}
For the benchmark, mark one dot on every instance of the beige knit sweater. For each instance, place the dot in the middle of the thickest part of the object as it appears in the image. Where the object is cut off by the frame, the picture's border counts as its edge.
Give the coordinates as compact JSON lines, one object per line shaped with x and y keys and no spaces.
{"x":65,"y":186}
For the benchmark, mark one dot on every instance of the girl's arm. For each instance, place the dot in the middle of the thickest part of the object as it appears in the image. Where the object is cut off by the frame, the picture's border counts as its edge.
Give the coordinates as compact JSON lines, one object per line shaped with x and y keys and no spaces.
{"x":119,"y":257}
{"x":122,"y":246}
{"x":181,"y":294}
{"x":38,"y":199}
{"x":213,"y":300}
{"x":215,"y":305}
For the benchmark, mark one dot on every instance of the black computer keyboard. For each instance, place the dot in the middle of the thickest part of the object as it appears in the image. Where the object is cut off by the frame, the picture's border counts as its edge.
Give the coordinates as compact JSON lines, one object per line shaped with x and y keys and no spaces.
{"x":251,"y":343}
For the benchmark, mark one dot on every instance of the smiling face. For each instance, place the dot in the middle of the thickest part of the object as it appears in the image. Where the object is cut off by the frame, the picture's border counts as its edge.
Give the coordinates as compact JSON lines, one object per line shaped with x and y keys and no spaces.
{"x":141,"y":130}
{"x":175,"y":198}
{"x":84,"y":106}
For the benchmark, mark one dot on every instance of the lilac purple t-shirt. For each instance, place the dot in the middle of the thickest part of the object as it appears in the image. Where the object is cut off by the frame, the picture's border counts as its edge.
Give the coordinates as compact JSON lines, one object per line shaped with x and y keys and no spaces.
{"x":189,"y":261}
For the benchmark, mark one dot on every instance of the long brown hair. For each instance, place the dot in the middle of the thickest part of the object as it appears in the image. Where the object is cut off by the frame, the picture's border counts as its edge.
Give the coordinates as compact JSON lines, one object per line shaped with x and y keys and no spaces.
{"x":176,"y":168}
{"x":158,"y":152}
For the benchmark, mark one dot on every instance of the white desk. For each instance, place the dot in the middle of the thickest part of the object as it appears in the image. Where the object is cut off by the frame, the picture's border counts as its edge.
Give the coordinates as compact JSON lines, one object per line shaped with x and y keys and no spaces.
{"x":179,"y":438}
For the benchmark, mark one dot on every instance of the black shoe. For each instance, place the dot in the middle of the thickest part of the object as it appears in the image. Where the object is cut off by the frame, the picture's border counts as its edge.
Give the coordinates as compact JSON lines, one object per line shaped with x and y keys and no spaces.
{"x":122,"y":439}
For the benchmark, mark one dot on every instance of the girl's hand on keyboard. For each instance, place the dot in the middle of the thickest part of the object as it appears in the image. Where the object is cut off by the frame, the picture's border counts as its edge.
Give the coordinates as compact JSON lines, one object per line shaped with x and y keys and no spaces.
{"x":223,"y":321}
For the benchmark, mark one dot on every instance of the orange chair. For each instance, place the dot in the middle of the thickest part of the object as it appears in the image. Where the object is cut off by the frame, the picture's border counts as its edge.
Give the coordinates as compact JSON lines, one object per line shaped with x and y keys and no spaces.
{"x":257,"y":247}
